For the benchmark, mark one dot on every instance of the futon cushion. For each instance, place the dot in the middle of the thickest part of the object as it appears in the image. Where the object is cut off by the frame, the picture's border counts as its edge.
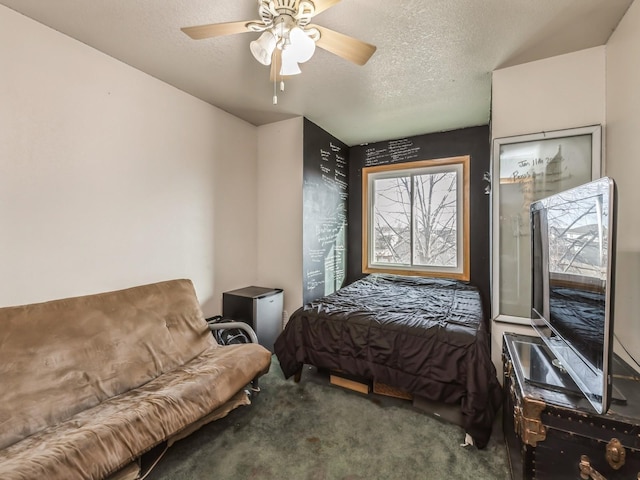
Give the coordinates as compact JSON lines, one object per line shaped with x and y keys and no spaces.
{"x":62,"y":357}
{"x":100,"y":440}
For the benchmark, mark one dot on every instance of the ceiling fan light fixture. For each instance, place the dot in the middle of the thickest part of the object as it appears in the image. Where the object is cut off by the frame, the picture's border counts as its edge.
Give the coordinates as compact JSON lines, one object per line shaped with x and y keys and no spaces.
{"x":302,"y":46}
{"x":289,"y":63}
{"x":263,"y":47}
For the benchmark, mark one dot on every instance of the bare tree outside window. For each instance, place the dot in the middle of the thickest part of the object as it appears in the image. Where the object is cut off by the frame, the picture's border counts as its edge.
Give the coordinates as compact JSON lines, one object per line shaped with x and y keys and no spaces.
{"x":436,"y":237}
{"x":415,"y":220}
{"x":392,"y":221}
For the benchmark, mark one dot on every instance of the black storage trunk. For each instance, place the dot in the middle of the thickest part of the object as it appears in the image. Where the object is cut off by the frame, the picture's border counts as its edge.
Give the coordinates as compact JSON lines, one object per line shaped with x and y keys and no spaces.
{"x":552,"y":432}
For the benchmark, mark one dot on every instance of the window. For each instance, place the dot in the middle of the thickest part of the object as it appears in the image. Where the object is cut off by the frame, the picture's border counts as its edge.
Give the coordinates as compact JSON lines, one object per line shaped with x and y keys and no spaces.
{"x":416,"y":218}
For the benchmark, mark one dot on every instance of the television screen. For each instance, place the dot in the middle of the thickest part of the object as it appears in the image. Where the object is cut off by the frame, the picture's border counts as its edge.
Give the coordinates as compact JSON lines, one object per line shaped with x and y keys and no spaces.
{"x":573,"y":261}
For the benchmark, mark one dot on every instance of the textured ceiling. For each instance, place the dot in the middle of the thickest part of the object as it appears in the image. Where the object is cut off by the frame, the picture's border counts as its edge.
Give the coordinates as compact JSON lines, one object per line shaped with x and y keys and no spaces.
{"x":431,"y":72}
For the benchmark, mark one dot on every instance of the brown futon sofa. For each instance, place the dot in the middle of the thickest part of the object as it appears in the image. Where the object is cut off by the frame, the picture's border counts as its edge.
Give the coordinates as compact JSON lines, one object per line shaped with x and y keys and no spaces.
{"x":89,"y":384}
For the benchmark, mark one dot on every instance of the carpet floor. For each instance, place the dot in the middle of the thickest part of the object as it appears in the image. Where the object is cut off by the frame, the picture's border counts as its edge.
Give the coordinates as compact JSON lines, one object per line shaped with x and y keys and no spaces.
{"x":317,"y":431}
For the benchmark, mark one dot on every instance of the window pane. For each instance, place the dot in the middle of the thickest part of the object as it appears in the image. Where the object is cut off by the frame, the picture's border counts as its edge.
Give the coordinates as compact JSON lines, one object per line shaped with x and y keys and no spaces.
{"x":435,"y":243}
{"x":392,"y":221}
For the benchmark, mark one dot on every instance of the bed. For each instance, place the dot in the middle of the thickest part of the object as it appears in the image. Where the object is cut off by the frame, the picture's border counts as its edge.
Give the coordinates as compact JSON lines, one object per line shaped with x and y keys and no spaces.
{"x":424,"y":336}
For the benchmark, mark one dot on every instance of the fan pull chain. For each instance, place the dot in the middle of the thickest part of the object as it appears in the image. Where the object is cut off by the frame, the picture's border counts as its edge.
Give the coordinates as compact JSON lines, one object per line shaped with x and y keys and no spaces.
{"x":275,"y":93}
{"x":275,"y":81}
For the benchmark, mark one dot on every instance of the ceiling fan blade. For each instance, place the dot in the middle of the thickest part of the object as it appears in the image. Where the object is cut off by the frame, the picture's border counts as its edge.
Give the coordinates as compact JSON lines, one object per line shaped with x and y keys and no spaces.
{"x":216,"y":29}
{"x":344,"y":46}
{"x":322,"y":5}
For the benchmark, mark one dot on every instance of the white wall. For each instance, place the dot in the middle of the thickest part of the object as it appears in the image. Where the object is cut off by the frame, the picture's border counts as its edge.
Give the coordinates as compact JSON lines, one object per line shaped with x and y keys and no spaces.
{"x":623,"y":164}
{"x":235,"y":187}
{"x":280,"y":163}
{"x":552,"y":94}
{"x":110,"y":178}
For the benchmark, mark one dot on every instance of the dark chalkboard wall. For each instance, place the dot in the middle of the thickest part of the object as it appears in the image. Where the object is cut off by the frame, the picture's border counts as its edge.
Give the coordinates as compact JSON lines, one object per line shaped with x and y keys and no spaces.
{"x":475,"y":142}
{"x":325,"y":202}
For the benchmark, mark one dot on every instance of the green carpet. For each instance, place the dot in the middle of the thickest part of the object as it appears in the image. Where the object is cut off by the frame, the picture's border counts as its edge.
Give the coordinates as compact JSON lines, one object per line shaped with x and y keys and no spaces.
{"x":317,"y":431}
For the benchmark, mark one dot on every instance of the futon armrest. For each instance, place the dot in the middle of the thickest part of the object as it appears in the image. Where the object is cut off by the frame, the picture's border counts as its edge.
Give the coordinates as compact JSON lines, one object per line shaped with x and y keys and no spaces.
{"x":240,"y":325}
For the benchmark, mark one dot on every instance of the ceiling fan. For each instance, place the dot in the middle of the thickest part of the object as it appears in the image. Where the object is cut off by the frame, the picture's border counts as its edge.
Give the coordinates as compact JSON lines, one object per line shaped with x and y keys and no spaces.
{"x":288,"y":38}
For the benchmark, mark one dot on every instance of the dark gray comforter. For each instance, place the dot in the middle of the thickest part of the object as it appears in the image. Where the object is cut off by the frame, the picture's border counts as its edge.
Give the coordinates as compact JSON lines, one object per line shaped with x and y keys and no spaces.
{"x":425,"y":336}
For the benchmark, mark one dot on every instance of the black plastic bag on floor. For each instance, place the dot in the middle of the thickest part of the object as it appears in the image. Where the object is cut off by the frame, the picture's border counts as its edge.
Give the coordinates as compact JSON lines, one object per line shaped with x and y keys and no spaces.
{"x":227,"y":336}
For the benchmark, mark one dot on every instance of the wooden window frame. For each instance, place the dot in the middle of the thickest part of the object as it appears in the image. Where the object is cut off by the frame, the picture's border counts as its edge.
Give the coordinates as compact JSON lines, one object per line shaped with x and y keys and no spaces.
{"x":398,"y":167}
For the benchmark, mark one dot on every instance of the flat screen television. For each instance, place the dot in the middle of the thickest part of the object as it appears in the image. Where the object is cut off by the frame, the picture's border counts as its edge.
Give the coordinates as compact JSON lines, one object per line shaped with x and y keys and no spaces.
{"x":573,"y":271}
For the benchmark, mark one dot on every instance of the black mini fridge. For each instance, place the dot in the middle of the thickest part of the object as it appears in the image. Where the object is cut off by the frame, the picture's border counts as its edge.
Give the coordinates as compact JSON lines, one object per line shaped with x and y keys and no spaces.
{"x":259,"y":307}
